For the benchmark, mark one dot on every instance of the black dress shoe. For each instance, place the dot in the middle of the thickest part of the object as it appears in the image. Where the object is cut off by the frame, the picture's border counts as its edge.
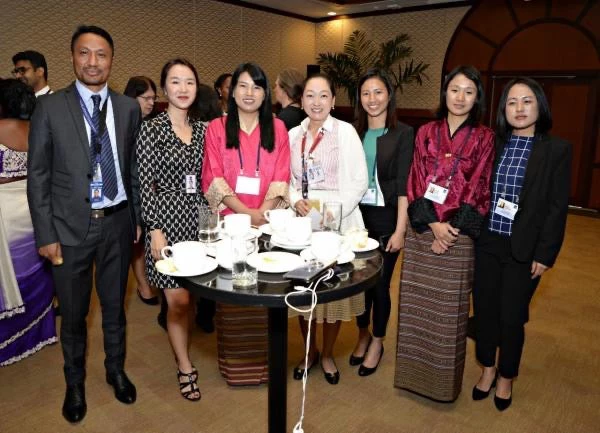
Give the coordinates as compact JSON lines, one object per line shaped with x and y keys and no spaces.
{"x":357,"y":360}
{"x":148,"y":301}
{"x":367,"y":371}
{"x":74,"y":407}
{"x":503,"y":403}
{"x":124,"y":389}
{"x":299,"y":372}
{"x":479,"y":394}
{"x":332,"y":378}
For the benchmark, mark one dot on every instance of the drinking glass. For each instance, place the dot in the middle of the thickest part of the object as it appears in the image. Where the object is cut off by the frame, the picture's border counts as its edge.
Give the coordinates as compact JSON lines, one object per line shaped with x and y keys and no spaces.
{"x":332,"y":216}
{"x":243,"y":274}
{"x":208,"y":224}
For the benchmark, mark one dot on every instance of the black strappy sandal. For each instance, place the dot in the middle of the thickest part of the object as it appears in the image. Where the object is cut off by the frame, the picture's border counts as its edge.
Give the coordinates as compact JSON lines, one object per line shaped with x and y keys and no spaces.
{"x":190,"y":381}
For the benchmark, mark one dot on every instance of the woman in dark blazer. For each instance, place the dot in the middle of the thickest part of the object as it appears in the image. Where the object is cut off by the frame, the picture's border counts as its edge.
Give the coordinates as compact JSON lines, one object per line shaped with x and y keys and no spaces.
{"x":388,"y":147}
{"x":523,"y":235}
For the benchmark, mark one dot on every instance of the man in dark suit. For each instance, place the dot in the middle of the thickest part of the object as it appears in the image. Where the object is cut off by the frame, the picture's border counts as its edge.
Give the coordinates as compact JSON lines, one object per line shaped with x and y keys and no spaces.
{"x":82,"y":139}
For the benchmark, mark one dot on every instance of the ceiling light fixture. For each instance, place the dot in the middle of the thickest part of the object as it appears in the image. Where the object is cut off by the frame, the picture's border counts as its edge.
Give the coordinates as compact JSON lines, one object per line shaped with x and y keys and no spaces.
{"x":331,"y":14}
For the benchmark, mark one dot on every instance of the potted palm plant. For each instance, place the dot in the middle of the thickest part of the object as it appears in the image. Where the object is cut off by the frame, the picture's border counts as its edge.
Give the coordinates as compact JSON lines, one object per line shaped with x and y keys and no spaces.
{"x":361,"y":53}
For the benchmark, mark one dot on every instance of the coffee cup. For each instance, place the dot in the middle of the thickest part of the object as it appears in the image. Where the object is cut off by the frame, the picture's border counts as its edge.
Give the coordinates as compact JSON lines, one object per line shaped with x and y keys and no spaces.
{"x":237,"y":224}
{"x":185,"y":255}
{"x":298,"y":230}
{"x":326,"y":246}
{"x":278,"y":219}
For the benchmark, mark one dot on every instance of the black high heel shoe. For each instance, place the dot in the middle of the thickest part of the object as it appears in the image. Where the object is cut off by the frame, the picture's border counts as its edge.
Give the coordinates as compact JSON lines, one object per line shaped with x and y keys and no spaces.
{"x":332,"y":378}
{"x":299,"y":372}
{"x":153,"y":300}
{"x":479,"y":394}
{"x":503,"y":403}
{"x":367,"y":371}
{"x":357,"y":360}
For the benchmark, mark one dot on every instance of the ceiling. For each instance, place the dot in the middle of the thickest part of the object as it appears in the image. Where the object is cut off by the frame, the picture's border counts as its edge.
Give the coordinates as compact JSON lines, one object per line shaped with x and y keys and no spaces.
{"x":318,"y":9}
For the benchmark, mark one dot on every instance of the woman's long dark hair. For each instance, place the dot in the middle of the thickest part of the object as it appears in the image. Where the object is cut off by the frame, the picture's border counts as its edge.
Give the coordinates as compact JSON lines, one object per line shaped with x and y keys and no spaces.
{"x":17,"y":99}
{"x":265,"y":114}
{"x":478,"y":107}
{"x":362,"y":118}
{"x":544,"y":121}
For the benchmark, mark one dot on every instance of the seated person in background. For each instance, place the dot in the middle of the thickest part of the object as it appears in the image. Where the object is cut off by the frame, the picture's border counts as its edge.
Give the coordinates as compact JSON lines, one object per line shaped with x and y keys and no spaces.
{"x":288,"y":93}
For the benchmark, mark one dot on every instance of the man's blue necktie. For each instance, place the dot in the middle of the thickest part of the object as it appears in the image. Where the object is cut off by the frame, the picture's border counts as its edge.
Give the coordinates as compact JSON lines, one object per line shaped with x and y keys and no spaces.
{"x":107,"y":163}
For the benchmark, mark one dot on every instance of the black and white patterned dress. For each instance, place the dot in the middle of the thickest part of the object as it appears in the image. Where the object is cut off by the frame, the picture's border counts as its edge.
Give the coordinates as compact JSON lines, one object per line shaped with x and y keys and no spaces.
{"x":164,"y":160}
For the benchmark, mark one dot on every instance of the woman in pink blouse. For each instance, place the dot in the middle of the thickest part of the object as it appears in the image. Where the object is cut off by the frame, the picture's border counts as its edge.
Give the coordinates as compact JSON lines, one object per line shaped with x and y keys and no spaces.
{"x":448,"y":192}
{"x":246,"y":170}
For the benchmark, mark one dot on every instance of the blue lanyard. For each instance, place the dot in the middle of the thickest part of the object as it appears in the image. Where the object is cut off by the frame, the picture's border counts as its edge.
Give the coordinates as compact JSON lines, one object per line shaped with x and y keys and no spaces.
{"x":256,"y":171}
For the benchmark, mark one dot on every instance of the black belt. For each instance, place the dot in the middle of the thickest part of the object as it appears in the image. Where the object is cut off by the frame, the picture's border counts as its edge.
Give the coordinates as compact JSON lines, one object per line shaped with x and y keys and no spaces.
{"x":106,"y":211}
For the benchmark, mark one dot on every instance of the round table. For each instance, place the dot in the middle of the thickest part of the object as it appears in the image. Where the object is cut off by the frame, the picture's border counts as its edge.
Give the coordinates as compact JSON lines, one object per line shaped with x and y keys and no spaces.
{"x":350,"y":279}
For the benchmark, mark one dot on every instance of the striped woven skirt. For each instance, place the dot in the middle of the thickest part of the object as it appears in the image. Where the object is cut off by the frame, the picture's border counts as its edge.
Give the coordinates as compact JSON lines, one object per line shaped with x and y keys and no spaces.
{"x":242,"y":344}
{"x":432,"y":317}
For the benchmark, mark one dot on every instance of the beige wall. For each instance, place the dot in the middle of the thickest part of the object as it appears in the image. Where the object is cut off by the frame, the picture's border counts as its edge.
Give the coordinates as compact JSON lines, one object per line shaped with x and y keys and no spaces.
{"x":214,"y":36}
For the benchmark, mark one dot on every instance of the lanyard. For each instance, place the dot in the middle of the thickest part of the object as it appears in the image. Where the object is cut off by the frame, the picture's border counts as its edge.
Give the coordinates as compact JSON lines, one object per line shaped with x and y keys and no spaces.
{"x":256,"y":171}
{"x":385,"y":130}
{"x":310,"y":152}
{"x":97,"y":145}
{"x":456,"y":158}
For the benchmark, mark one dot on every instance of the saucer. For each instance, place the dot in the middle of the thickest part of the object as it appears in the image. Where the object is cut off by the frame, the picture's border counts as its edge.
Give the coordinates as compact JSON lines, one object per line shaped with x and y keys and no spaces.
{"x":372,"y":244}
{"x":283,"y":242}
{"x":266,"y":229}
{"x":345,"y":257}
{"x":253,"y":232}
{"x":275,"y":262}
{"x":205,"y":265}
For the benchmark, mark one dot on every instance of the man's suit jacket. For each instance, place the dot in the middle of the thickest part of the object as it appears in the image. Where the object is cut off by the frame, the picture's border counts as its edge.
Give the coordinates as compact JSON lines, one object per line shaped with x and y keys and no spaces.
{"x":59,"y":165}
{"x":539,"y":226}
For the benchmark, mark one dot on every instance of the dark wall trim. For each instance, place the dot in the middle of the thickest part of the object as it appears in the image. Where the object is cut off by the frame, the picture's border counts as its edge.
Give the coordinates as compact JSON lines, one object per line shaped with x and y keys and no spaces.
{"x":247,"y":5}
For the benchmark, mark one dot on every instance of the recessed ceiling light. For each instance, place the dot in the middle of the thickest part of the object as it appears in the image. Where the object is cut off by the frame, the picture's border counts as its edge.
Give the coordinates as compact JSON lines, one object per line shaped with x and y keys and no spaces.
{"x":331,"y":14}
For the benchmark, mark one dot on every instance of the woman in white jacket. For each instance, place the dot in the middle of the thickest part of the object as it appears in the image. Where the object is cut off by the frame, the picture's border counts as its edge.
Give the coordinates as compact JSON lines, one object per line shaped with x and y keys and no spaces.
{"x":328,"y":153}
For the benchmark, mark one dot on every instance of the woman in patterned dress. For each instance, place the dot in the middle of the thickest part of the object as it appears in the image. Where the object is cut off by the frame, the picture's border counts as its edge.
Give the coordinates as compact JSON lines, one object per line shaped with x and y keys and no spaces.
{"x":247,"y":143}
{"x":26,"y":286}
{"x":170,"y":150}
{"x":448,"y":193}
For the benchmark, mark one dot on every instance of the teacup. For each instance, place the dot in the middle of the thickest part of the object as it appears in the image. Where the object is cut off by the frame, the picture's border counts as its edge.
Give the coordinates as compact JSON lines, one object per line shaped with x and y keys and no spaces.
{"x":278,"y":219}
{"x":185,"y":255}
{"x":327,"y":246}
{"x":298,"y":230}
{"x":237,"y":224}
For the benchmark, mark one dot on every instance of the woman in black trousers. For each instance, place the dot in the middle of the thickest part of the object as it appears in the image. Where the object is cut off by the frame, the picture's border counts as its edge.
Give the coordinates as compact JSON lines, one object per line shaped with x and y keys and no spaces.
{"x":524,"y":232}
{"x":388,"y":148}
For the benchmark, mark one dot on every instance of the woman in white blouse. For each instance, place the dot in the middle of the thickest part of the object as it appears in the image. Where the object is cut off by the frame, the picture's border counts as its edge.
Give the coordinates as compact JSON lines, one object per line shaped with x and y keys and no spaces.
{"x":334,"y":152}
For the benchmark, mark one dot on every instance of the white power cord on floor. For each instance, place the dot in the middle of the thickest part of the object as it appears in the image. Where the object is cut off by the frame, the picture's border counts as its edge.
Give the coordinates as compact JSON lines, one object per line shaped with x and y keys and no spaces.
{"x":313,"y":289}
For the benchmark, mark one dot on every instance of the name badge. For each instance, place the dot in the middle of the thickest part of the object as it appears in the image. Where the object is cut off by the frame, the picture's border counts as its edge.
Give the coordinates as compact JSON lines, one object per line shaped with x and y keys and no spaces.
{"x":506,"y":209}
{"x":370,"y":197}
{"x":247,"y":185}
{"x":96,"y":195}
{"x":190,"y":183}
{"x":315,"y":174}
{"x":436,"y":193}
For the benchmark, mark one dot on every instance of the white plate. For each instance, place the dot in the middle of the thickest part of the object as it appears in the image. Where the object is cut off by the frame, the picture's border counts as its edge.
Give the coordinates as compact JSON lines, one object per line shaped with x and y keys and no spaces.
{"x":284,"y":242}
{"x":254,"y":232}
{"x":372,"y":244}
{"x":345,"y":257}
{"x":275,"y":262}
{"x":205,"y":265}
{"x":266,"y":229}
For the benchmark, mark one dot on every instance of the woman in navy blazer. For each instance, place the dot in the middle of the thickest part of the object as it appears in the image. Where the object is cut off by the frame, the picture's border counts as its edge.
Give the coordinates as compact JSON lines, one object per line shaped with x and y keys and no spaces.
{"x":523,"y":234}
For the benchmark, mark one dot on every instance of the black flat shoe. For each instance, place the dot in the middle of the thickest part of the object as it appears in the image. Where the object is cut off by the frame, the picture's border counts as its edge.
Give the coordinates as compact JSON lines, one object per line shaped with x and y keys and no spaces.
{"x":299,"y":372}
{"x":357,"y":360}
{"x":332,"y":378}
{"x":74,"y":408}
{"x":367,"y":371}
{"x":124,"y":390}
{"x":148,"y":301}
{"x":478,"y":394}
